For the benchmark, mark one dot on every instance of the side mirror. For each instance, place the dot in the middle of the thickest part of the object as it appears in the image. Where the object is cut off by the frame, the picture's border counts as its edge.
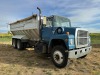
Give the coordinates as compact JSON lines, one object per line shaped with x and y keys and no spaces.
{"x":44,"y":20}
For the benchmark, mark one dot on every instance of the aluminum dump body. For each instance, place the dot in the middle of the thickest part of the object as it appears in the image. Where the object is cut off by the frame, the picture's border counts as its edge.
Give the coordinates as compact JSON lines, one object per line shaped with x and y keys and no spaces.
{"x":28,"y":27}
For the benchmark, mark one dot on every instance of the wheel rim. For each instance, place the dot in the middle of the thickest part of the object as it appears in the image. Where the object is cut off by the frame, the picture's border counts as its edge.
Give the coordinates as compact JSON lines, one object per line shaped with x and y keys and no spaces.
{"x":58,"y":57}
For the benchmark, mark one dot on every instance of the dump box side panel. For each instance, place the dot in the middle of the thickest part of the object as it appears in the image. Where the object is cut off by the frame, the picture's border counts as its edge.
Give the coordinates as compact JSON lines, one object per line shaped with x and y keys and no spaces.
{"x":28,"y":27}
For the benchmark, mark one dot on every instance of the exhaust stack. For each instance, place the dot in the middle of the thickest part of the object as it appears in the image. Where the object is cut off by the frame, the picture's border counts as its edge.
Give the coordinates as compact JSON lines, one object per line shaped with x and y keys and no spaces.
{"x":40,"y":25}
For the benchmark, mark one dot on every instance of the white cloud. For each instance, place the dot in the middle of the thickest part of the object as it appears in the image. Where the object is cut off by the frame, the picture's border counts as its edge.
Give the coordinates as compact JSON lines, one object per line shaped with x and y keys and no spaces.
{"x":93,"y":30}
{"x":3,"y":28}
{"x":6,"y":19}
{"x":80,"y":12}
{"x":85,"y":15}
{"x":95,"y":1}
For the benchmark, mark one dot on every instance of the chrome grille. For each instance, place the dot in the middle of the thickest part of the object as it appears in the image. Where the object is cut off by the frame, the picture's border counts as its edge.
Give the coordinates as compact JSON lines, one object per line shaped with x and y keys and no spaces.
{"x":82,"y":38}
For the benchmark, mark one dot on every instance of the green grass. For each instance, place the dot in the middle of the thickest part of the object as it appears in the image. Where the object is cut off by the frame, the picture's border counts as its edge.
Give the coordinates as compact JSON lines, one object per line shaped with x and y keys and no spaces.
{"x":5,"y":37}
{"x":95,"y":38}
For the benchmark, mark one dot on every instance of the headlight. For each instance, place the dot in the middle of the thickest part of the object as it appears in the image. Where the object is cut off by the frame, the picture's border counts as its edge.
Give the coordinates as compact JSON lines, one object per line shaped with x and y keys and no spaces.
{"x":60,"y":30}
{"x":71,"y":41}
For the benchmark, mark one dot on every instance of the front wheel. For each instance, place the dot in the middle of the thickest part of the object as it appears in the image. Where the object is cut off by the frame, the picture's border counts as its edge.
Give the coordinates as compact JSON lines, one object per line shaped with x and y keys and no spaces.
{"x":59,"y":56}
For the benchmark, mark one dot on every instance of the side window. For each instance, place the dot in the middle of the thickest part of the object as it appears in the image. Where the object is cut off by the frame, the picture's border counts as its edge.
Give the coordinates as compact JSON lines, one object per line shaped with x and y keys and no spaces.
{"x":49,"y":22}
{"x":65,"y":24}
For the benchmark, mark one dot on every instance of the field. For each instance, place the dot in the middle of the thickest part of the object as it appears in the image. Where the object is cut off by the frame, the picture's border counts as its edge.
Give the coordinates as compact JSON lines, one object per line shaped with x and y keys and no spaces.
{"x":5,"y":37}
{"x":27,"y":62}
{"x":95,"y":38}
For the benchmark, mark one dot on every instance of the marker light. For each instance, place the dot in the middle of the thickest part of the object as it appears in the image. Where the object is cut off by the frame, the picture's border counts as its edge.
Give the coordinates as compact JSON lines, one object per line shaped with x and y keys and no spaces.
{"x":67,"y":33}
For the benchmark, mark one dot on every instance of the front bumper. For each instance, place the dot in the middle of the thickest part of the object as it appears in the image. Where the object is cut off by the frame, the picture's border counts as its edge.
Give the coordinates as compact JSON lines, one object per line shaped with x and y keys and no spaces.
{"x":79,"y":52}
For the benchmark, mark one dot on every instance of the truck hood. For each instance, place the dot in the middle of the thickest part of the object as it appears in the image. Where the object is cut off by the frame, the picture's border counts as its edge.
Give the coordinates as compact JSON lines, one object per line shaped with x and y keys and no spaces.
{"x":71,"y":30}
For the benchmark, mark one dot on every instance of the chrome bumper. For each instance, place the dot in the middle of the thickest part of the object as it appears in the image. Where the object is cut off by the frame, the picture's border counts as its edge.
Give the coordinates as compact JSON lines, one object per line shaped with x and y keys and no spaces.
{"x":79,"y":52}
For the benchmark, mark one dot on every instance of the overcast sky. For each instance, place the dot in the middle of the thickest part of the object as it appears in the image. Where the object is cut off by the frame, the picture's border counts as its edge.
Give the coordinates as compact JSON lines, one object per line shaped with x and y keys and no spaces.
{"x":82,"y":13}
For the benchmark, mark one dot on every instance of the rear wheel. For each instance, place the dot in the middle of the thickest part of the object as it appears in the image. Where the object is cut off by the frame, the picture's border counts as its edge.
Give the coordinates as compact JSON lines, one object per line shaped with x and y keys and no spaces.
{"x":20,"y":45}
{"x":14,"y":43}
{"x":59,"y":56}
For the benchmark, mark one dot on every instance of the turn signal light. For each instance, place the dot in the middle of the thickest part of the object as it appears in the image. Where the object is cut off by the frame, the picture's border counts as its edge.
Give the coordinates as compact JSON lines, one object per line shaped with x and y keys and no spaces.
{"x":67,"y":33}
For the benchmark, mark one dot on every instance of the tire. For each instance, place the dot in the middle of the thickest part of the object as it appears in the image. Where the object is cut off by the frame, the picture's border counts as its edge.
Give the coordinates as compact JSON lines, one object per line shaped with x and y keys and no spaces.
{"x":19,"y":45}
{"x":25,"y":45}
{"x":14,"y":43}
{"x":59,"y":56}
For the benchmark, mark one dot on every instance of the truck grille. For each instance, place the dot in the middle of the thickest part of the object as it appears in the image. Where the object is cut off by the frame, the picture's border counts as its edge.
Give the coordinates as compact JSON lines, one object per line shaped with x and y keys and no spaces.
{"x":82,"y":38}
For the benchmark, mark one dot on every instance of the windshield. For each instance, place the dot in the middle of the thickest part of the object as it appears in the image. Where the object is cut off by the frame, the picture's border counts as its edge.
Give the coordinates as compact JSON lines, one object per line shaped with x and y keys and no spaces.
{"x":61,"y":22}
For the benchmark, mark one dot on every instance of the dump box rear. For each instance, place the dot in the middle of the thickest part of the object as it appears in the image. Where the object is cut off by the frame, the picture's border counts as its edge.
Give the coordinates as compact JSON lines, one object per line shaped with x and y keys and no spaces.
{"x":28,"y":27}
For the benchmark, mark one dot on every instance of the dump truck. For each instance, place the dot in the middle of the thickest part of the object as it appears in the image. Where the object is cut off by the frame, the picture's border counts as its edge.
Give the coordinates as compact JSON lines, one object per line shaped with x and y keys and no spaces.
{"x":51,"y":35}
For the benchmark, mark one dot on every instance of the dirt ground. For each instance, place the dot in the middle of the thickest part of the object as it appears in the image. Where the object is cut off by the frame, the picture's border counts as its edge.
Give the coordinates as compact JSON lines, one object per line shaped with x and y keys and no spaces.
{"x":27,"y":62}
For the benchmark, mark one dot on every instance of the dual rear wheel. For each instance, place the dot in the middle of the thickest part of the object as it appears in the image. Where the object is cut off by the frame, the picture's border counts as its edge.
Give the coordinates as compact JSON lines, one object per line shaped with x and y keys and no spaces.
{"x":17,"y":44}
